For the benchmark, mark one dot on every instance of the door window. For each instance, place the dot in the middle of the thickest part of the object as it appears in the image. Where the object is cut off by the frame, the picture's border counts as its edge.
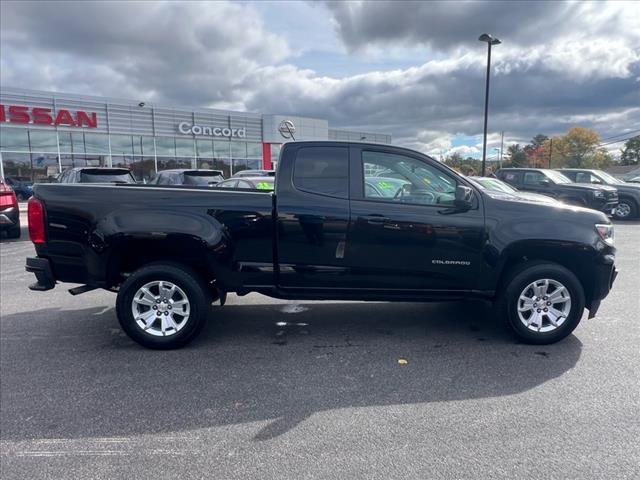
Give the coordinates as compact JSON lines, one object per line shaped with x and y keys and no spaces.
{"x":533,"y":178}
{"x":322,"y":170}
{"x":397,"y":178}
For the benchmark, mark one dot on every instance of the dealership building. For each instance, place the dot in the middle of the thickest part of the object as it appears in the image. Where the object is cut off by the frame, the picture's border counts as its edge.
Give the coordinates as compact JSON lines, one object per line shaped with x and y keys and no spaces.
{"x":43,"y":133}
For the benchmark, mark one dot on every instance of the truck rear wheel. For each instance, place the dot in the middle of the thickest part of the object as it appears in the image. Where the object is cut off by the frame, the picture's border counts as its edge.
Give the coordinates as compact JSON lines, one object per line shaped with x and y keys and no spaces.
{"x":543,"y":302}
{"x":163,"y":305}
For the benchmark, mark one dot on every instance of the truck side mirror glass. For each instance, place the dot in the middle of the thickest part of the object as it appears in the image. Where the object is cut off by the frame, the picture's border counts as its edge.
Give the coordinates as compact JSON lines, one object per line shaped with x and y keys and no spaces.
{"x":597,"y":181}
{"x":544,"y":183}
{"x":463,"y":197}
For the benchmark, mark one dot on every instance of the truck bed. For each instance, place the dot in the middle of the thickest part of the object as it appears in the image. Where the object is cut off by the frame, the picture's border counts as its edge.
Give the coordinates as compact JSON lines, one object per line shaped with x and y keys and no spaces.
{"x":86,"y":223}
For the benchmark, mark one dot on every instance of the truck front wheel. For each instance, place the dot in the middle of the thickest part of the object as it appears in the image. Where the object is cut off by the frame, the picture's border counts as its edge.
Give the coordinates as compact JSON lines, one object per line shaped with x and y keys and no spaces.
{"x":543,"y":302}
{"x":163,"y":305}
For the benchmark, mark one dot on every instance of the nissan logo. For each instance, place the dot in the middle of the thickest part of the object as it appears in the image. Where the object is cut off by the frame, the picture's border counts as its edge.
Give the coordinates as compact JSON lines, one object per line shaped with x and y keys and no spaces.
{"x":287,"y":129}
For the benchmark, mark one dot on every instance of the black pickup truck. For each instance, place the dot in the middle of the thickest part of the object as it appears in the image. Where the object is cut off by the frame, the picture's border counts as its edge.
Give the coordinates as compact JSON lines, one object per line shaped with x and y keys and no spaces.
{"x":347,"y":221}
{"x":628,"y":193}
{"x":554,"y":184}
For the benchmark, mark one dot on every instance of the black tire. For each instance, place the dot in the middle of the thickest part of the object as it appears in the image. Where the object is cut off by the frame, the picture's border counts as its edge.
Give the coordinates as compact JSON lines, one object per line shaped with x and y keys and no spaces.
{"x":14,"y":232}
{"x":180,"y":275}
{"x":632,"y":209}
{"x":524,"y":275}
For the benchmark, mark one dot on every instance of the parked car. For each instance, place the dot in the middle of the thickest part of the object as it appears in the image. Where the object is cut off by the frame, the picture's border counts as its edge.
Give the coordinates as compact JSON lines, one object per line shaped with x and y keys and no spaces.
{"x":384,"y":187}
{"x":22,"y":186}
{"x":556,"y":185}
{"x":254,"y":183}
{"x":495,"y":185}
{"x":9,"y":211}
{"x":200,"y":177}
{"x":628,"y":195}
{"x":96,"y":175}
{"x":322,"y":236}
{"x":254,"y":173}
{"x":633,"y":180}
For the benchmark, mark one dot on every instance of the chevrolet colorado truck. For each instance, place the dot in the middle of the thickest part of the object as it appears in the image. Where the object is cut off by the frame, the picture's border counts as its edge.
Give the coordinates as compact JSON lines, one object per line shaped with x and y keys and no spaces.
{"x":346,"y":221}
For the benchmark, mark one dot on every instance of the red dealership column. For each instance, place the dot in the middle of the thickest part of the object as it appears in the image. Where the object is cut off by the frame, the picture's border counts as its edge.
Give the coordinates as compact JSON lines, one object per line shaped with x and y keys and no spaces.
{"x":266,"y":156}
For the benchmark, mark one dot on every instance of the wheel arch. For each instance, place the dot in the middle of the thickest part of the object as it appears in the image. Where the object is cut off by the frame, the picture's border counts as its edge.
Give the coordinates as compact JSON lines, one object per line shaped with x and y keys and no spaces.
{"x":578,"y":259}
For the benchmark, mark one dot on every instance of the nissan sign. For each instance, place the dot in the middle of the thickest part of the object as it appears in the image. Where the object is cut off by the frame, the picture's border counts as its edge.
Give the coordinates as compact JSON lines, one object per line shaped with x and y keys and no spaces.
{"x":187,"y":129}
{"x":46,"y":116}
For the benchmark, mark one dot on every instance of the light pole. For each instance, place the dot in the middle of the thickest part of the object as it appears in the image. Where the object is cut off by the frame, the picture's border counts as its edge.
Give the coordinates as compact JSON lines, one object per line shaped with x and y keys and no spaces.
{"x":498,"y":156}
{"x":485,"y":37}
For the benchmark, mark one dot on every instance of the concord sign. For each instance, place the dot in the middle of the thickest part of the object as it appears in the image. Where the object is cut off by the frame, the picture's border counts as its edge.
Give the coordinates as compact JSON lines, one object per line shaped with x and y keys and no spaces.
{"x":188,"y":129}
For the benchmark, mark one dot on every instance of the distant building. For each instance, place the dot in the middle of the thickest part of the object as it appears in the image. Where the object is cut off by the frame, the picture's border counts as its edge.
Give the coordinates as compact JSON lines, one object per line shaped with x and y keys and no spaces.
{"x":43,"y":133}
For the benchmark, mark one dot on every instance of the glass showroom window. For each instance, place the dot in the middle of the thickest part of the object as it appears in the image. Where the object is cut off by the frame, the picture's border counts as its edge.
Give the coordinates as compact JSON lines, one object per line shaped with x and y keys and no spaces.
{"x":17,"y":165}
{"x":14,"y":139}
{"x":167,"y":163}
{"x":165,"y":146}
{"x":121,"y":145}
{"x":204,"y":148}
{"x":45,"y":167}
{"x":222,"y":149}
{"x":143,"y":145}
{"x":43,"y":141}
{"x":184,"y":147}
{"x":142,"y":168}
{"x":96,"y":143}
{"x":65,"y":142}
{"x":254,"y":150}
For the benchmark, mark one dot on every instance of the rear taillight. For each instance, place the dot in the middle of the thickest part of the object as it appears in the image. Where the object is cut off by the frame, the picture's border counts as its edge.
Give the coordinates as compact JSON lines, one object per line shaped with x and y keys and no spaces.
{"x":35,"y":214}
{"x":8,"y":199}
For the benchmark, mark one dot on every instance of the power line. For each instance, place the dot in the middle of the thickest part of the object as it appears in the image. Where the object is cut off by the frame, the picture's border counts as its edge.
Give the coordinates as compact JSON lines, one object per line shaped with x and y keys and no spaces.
{"x":616,"y":141}
{"x":620,"y":135}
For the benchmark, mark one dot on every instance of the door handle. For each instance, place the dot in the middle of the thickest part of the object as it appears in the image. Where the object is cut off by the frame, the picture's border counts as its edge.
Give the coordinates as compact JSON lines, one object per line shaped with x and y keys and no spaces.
{"x":375,"y":219}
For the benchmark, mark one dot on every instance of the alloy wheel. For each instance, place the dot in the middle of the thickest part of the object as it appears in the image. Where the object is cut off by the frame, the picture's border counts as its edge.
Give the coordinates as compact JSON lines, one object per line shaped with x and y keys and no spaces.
{"x":160,"y":308}
{"x":544,"y":305}
{"x":622,"y":210}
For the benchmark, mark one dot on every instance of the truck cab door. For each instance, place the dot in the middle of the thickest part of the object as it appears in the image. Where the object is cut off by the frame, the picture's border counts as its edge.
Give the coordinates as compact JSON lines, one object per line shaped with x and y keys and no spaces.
{"x":405,"y":234}
{"x":313,"y":216}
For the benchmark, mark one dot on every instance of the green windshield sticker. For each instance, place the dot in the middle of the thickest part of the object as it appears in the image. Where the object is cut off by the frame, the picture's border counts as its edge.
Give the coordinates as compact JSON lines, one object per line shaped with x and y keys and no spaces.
{"x":385,"y":185}
{"x":427,"y":181}
{"x":263,"y":186}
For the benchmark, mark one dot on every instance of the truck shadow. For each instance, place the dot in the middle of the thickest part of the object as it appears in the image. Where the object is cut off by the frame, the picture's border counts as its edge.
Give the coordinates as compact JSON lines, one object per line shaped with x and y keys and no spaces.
{"x":78,"y":376}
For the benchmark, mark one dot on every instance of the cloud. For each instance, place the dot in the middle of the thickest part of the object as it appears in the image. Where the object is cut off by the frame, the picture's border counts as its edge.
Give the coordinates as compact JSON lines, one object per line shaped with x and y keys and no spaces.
{"x":585,"y":70}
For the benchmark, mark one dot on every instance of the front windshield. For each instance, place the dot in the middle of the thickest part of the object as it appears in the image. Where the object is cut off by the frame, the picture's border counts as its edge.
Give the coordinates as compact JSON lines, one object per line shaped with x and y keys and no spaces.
{"x":608,"y":178}
{"x":557,"y":177}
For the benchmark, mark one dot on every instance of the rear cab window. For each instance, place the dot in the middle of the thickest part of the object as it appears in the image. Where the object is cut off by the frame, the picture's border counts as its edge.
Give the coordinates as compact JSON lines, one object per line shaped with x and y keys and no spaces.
{"x":322,"y":170}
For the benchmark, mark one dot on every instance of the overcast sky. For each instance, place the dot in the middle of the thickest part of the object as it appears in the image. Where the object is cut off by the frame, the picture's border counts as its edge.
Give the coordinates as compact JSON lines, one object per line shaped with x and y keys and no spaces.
{"x":415,"y":70}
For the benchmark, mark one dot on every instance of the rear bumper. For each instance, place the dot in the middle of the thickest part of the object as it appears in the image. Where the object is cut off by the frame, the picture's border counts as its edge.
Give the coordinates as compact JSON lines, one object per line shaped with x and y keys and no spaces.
{"x":9,"y":217}
{"x":41,"y":268}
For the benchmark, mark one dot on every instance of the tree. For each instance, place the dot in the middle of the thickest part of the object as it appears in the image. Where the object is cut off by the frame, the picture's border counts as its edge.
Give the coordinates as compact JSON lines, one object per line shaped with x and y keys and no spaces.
{"x":516,"y":156}
{"x":631,"y":152}
{"x":578,"y":148}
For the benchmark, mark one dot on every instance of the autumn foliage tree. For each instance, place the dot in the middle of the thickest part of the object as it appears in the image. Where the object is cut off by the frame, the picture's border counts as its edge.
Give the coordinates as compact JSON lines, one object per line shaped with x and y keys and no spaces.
{"x":578,"y":148}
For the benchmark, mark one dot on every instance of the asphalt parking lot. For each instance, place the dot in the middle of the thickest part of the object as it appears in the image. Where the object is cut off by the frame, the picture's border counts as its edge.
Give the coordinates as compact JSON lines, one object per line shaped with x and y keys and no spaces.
{"x":321,"y":397}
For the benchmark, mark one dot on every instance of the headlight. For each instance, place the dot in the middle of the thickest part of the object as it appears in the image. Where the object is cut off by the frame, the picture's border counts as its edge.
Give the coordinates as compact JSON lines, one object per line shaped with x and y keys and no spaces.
{"x":605,"y":231}
{"x":598,"y":194}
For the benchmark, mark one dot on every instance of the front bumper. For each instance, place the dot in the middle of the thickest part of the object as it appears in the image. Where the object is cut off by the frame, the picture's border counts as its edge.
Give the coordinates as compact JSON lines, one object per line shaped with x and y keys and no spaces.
{"x":605,"y":274}
{"x":41,"y":267}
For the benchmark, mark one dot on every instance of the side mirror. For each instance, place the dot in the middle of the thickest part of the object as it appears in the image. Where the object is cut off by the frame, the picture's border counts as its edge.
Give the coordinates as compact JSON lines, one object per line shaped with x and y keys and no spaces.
{"x":596,"y":181}
{"x":463,"y":198}
{"x":544,"y":183}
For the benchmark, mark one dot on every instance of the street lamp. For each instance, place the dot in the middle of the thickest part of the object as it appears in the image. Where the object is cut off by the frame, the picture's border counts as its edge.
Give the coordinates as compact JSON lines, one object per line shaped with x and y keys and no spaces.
{"x":485,"y":37}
